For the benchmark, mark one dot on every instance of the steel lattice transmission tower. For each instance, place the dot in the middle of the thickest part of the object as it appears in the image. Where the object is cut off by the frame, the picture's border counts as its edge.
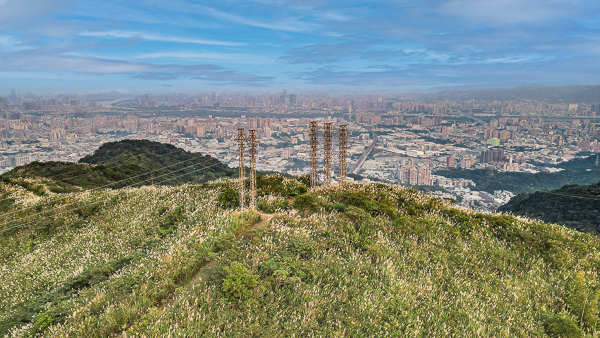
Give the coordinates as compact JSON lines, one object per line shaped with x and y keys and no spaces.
{"x":327,"y":147}
{"x":343,"y":139}
{"x":253,"y":143}
{"x":242,"y":179}
{"x":314,"y":134}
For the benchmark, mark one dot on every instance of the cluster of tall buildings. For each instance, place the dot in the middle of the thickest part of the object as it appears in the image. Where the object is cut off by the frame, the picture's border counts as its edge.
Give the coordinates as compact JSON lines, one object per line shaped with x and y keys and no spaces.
{"x":492,"y":155}
{"x":259,"y":122}
{"x":414,"y":175}
{"x":368,"y":118}
{"x":15,"y":161}
{"x":465,"y":162}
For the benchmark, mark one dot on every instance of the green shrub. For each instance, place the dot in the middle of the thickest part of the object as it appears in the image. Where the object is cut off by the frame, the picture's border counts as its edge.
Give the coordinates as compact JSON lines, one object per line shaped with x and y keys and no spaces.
{"x":293,"y":189}
{"x":360,"y":229}
{"x":305,"y":203}
{"x":238,"y":282}
{"x":49,"y":226}
{"x":78,"y":224}
{"x":43,"y":321}
{"x":5,"y":204}
{"x":270,"y":185}
{"x":561,"y":326}
{"x":229,"y":199}
{"x":272,"y":205}
{"x":303,"y":247}
{"x":583,"y":302}
{"x":172,"y":218}
{"x":339,"y":207}
{"x":282,"y":270}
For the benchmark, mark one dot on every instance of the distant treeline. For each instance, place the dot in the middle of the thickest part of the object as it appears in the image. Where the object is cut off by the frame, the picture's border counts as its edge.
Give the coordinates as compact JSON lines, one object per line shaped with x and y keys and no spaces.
{"x":577,"y":171}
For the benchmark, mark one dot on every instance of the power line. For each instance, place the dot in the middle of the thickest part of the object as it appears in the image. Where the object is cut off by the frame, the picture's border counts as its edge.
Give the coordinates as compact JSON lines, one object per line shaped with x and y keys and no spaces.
{"x":88,"y":173}
{"x":56,"y":214}
{"x":151,"y":179}
{"x":107,"y":185}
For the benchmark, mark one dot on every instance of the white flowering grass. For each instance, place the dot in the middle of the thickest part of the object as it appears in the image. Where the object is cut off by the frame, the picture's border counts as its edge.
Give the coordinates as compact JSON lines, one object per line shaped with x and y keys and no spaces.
{"x":411,"y":266}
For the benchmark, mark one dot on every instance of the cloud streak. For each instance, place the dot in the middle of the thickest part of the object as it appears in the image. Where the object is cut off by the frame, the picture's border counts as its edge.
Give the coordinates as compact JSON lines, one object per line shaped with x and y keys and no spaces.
{"x":138,"y":70}
{"x":115,"y":34}
{"x":241,"y":58}
{"x":290,"y":24}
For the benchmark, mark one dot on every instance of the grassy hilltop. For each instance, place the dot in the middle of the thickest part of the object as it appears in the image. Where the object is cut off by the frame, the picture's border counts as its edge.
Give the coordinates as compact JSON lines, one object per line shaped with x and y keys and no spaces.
{"x":358,"y":260}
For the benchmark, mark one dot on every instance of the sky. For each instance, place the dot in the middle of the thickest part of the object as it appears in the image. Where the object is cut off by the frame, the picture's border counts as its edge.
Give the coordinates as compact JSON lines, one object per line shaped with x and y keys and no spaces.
{"x":158,"y":46}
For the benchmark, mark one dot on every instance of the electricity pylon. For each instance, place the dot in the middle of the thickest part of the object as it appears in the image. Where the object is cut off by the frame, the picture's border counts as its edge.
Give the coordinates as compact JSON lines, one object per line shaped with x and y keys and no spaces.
{"x":327,"y":147}
{"x":343,"y":140}
{"x":253,"y":143}
{"x":242,"y":184}
{"x":314,"y":134}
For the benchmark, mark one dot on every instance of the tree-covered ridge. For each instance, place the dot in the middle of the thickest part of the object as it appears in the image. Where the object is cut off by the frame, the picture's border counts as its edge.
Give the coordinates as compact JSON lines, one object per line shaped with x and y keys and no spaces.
{"x":574,"y":206}
{"x":120,"y":164}
{"x":352,"y":260}
{"x":577,"y":171}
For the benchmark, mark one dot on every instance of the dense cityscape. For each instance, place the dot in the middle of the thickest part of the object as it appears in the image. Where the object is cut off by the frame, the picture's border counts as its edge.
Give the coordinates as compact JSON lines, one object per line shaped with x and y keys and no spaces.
{"x":404,"y":139}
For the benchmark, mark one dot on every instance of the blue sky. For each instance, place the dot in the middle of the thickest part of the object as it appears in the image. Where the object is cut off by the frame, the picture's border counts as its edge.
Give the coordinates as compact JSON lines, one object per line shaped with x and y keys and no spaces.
{"x":266,"y":45}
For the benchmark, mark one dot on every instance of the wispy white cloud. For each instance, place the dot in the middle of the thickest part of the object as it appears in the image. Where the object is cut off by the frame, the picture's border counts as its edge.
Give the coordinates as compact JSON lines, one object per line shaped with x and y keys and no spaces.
{"x":118,"y":34}
{"x":40,"y":62}
{"x":290,"y":24}
{"x":11,"y":44}
{"x":221,"y":57}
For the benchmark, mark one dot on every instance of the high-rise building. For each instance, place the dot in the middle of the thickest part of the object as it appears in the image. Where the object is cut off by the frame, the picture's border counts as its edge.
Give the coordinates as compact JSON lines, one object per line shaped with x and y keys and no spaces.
{"x":450,"y":161}
{"x":200,"y":131}
{"x":412,"y":175}
{"x":29,"y":105}
{"x":424,"y":177}
{"x":466,"y":162}
{"x":492,"y":155}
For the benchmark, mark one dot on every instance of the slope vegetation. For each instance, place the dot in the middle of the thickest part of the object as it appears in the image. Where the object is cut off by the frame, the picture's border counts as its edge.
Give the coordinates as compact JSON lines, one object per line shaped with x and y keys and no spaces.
{"x":357,"y":260}
{"x":574,"y":206}
{"x":120,"y":164}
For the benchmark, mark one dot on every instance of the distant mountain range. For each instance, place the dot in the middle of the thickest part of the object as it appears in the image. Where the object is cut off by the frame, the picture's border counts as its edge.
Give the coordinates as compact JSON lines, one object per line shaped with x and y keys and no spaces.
{"x":574,"y":206}
{"x":553,"y":94}
{"x":120,"y":164}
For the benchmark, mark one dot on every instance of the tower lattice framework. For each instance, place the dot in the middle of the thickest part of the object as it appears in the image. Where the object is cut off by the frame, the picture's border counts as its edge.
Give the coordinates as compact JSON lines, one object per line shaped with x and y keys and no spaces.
{"x":253,"y":148}
{"x":327,"y":149}
{"x":314,"y":134}
{"x":343,"y":140}
{"x":242,"y":179}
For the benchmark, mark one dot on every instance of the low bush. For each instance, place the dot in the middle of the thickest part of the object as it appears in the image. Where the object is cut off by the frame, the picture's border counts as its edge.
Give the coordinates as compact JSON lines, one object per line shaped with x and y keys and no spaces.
{"x":238,"y":282}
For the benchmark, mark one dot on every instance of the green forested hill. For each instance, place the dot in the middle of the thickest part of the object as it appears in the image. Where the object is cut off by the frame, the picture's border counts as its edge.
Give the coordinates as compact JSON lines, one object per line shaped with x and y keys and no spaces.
{"x":576,"y":171}
{"x":355,"y":260}
{"x":574,"y":206}
{"x":120,"y":164}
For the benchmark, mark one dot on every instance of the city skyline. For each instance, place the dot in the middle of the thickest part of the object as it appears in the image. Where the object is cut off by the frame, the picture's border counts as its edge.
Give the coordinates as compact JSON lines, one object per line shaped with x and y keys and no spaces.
{"x":180,"y":46}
